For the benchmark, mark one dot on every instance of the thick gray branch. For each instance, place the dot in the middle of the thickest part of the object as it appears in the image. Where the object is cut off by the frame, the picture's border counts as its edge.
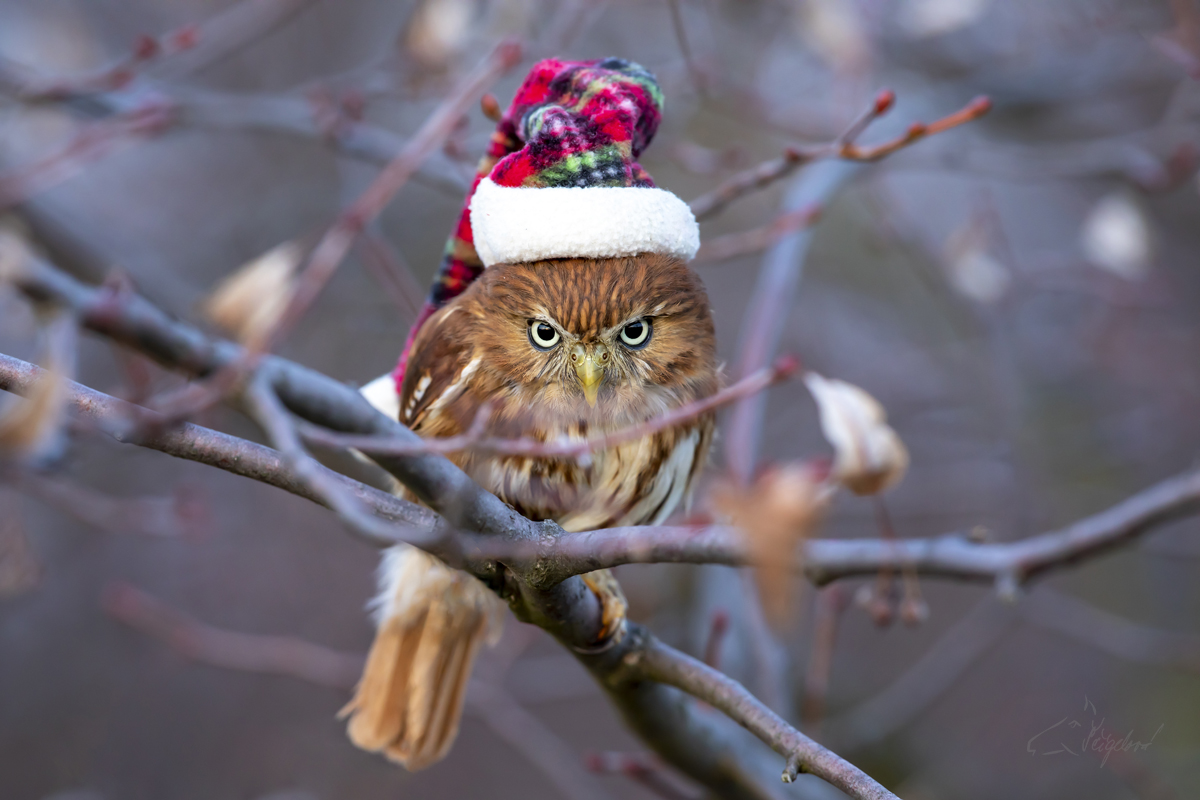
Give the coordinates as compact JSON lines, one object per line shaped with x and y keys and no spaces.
{"x":826,"y":560}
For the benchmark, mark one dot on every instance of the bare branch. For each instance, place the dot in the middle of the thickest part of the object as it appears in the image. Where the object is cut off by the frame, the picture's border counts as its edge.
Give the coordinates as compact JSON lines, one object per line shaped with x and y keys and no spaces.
{"x":739,"y":244}
{"x":959,"y":648}
{"x":1007,"y":564}
{"x":667,"y":665}
{"x":1109,"y":633}
{"x":118,"y":418}
{"x":828,"y":608}
{"x":642,"y":768}
{"x":340,"y":238}
{"x":94,"y":141}
{"x":524,"y":732}
{"x":273,"y":655}
{"x":845,"y":147}
{"x":182,"y":513}
{"x":473,"y":438}
{"x":291,"y":657}
{"x":172,"y":55}
{"x":265,"y":408}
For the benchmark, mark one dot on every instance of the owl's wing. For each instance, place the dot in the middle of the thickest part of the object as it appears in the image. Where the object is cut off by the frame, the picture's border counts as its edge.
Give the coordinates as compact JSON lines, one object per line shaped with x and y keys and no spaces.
{"x":435,"y":400}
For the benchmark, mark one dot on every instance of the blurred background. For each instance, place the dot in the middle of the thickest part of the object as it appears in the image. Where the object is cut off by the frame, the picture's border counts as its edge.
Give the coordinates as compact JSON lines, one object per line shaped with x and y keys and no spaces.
{"x":1022,"y":294}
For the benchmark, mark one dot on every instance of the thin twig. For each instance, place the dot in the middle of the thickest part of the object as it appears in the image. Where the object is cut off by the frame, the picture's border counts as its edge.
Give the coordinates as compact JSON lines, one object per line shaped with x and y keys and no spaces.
{"x":265,"y":408}
{"x":340,"y":238}
{"x":717,"y":628}
{"x":29,"y":87}
{"x":121,"y":421}
{"x":474,"y":437}
{"x":958,"y":556}
{"x":1109,"y":633}
{"x":828,"y":608}
{"x":733,"y":245}
{"x":296,"y":658}
{"x":92,"y":142}
{"x":525,"y":733}
{"x":642,"y":768}
{"x":945,"y":662}
{"x":845,"y":147}
{"x":183,"y":513}
{"x":273,"y":655}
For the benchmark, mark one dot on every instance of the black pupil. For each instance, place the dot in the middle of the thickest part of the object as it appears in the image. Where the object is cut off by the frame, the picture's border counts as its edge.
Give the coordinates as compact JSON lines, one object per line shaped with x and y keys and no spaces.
{"x":544,"y":332}
{"x":633,"y":330}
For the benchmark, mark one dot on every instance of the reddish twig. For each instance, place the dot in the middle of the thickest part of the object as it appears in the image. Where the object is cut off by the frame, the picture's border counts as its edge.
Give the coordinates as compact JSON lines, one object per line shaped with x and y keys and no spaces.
{"x":337,"y":241}
{"x":642,"y":768}
{"x":145,"y":50}
{"x":184,"y":513}
{"x":845,"y":147}
{"x":391,"y":273}
{"x":718,"y":627}
{"x":290,"y":657}
{"x":334,"y":246}
{"x":92,"y":142}
{"x":739,"y":244}
{"x":273,"y":655}
{"x":830,"y":604}
{"x":525,"y":733}
{"x":959,"y":648}
{"x":474,"y":438}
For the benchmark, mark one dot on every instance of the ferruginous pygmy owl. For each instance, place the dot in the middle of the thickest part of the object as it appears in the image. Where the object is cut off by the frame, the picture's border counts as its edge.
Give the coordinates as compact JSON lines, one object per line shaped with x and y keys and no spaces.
{"x":564,"y":309}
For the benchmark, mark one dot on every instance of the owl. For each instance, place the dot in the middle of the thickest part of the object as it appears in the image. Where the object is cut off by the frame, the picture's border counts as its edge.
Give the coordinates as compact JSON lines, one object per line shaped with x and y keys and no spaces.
{"x":566,"y":349}
{"x":564,"y":309}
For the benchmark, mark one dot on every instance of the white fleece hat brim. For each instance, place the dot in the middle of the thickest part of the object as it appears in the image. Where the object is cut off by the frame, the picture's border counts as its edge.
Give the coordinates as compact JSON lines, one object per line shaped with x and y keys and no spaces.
{"x":514,"y":224}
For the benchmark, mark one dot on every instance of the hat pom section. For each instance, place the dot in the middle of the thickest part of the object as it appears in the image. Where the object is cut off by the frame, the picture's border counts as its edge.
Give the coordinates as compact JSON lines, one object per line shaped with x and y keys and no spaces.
{"x":514,"y":224}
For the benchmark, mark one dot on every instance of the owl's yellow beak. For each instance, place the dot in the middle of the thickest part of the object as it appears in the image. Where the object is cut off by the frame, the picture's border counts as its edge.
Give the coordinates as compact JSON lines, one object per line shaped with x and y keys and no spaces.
{"x":589,"y":365}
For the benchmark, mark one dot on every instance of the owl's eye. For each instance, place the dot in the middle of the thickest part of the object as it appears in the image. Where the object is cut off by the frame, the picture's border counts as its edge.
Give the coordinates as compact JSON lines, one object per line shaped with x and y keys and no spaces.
{"x":543,"y":335}
{"x":636,"y":334}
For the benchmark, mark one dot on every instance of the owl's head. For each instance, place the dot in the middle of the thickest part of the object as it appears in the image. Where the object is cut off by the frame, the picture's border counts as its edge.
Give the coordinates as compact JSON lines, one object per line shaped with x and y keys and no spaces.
{"x":606,"y":340}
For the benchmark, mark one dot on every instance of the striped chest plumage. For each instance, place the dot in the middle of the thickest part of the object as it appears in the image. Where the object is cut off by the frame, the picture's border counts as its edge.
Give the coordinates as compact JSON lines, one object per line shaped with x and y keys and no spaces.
{"x":639,"y":482}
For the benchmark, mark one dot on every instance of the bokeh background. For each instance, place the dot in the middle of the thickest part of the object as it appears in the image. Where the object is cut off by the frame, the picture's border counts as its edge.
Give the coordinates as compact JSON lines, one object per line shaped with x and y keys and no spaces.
{"x":1021,"y":293}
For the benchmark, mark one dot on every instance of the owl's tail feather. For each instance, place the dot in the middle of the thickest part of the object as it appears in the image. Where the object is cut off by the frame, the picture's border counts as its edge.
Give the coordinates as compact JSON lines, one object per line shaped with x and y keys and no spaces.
{"x":431,"y":621}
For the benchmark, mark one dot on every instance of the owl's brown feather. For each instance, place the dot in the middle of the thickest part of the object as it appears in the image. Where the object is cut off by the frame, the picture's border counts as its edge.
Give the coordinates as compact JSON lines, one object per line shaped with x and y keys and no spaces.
{"x":476,"y":354}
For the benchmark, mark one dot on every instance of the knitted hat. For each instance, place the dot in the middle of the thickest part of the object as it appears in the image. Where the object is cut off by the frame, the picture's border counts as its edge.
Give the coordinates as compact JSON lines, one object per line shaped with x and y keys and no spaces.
{"x":560,"y":180}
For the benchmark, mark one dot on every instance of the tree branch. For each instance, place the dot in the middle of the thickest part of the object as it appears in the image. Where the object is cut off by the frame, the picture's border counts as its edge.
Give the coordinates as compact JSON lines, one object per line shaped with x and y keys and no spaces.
{"x":664,"y":664}
{"x":845,"y":147}
{"x":1008,"y":564}
{"x":120,"y":420}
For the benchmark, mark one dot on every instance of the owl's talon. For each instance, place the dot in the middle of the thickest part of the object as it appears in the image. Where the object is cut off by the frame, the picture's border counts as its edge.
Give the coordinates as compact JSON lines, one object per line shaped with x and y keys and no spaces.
{"x":613,"y":607}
